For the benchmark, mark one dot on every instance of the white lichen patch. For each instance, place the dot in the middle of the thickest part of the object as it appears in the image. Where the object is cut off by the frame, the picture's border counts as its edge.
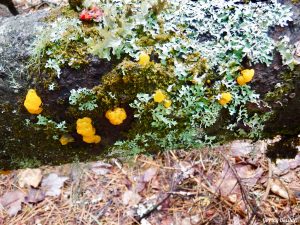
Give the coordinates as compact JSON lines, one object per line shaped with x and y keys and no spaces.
{"x":84,"y":98}
{"x":203,"y":43}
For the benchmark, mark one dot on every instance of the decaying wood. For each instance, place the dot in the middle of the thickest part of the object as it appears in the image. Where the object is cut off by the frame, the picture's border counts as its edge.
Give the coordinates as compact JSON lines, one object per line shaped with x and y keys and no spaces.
{"x":18,"y":141}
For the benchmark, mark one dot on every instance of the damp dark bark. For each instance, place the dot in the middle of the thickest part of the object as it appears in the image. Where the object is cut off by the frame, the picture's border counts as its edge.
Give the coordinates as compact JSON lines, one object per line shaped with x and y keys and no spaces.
{"x":20,"y":143}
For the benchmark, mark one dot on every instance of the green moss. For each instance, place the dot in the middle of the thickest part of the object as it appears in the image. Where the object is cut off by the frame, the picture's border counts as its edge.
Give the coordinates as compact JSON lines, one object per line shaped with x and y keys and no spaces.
{"x":23,"y":163}
{"x":65,"y":11}
{"x":122,"y":84}
{"x":279,"y":92}
{"x":283,"y":89}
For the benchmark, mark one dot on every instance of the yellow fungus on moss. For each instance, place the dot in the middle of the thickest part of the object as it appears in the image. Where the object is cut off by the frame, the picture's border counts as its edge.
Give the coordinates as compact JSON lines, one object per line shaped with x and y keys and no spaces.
{"x":65,"y":139}
{"x":92,"y":139}
{"x":116,"y":116}
{"x":167,"y":103}
{"x":226,"y":97}
{"x":86,"y":129}
{"x":159,"y":96}
{"x":144,"y":59}
{"x":248,"y":74}
{"x":245,"y":77}
{"x":241,"y":80}
{"x":33,"y":102}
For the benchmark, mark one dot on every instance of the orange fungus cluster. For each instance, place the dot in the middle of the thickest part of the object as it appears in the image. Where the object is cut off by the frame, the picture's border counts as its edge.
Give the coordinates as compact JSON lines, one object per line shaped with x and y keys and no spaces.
{"x":226,"y":97}
{"x":245,"y":77}
{"x":160,"y":97}
{"x":86,"y":129}
{"x":65,"y":139}
{"x":116,"y":116}
{"x":144,"y":59}
{"x":33,"y":102}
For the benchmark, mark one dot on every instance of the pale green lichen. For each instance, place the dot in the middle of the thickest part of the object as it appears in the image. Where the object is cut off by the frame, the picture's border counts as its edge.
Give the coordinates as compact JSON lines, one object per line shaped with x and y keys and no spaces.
{"x":286,"y":52}
{"x":200,"y":45}
{"x":84,"y":99}
{"x":44,"y":121}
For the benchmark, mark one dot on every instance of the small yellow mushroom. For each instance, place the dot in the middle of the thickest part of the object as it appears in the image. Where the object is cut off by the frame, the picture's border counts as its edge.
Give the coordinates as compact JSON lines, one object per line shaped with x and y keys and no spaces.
{"x":116,"y":116}
{"x":167,"y":103}
{"x":33,"y":102}
{"x":226,"y":97}
{"x":241,"y":80}
{"x":85,"y":127}
{"x":159,"y":96}
{"x":65,"y":139}
{"x":92,"y":139}
{"x":88,"y":132}
{"x":144,"y":59}
{"x":248,"y":74}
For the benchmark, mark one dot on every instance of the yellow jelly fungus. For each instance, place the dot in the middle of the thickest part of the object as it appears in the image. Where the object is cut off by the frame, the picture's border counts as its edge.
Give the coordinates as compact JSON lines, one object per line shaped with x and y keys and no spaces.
{"x":226,"y":97}
{"x":159,"y":96}
{"x":33,"y":102}
{"x":116,"y":116}
{"x":248,"y":74}
{"x":92,"y":139}
{"x":167,"y":103}
{"x":65,"y":139}
{"x":86,"y":129}
{"x":144,"y":59}
{"x":241,"y":80}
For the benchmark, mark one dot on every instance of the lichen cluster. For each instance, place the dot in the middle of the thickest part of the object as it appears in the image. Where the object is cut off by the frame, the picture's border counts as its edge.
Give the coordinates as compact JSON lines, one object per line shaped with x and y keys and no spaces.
{"x":183,"y":65}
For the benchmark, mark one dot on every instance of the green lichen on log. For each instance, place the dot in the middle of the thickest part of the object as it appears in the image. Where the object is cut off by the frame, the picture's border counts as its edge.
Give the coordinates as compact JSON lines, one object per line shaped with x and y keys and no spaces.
{"x":191,"y":62}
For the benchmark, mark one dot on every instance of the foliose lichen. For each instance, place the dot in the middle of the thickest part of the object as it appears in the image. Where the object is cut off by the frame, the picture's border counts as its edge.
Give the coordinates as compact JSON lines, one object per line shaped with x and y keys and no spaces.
{"x":193,"y":51}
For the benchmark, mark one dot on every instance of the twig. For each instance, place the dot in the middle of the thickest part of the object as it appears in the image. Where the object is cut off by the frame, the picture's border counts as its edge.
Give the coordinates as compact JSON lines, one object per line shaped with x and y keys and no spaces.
{"x":104,"y":209}
{"x":240,"y":212}
{"x":150,"y":211}
{"x":265,"y":196}
{"x":254,"y":208}
{"x":183,"y":193}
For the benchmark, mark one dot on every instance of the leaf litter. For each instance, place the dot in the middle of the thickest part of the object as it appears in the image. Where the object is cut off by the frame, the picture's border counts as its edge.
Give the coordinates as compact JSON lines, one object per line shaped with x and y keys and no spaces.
{"x":222,"y":185}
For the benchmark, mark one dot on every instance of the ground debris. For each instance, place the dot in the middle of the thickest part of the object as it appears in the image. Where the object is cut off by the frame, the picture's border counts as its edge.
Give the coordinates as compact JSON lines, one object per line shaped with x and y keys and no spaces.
{"x":207,"y":186}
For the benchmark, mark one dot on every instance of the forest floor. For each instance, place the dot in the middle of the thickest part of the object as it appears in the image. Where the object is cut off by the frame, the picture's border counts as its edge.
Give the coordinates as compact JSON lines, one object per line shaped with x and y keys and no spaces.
{"x":233,"y":184}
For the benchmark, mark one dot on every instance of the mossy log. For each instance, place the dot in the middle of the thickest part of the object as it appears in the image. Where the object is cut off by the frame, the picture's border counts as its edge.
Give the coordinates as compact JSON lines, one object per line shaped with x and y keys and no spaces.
{"x":20,"y":143}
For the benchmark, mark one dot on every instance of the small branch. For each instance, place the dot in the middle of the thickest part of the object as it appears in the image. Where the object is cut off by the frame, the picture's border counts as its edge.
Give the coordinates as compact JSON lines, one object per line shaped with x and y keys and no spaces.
{"x":264,"y":198}
{"x":104,"y":209}
{"x":253,"y":206}
{"x":154,"y":208}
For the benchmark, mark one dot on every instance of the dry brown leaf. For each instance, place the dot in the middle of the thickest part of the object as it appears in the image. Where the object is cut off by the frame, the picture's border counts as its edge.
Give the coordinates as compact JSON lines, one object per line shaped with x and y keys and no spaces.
{"x":12,"y":202}
{"x":131,"y":198}
{"x":149,"y":174}
{"x":29,"y":177}
{"x":283,"y":166}
{"x":35,"y":196}
{"x":241,"y":148}
{"x":295,"y":163}
{"x":228,"y":183}
{"x":278,"y":188}
{"x":248,"y":175}
{"x":52,"y":184}
{"x":236,"y":221}
{"x":146,"y":177}
{"x":101,"y":168}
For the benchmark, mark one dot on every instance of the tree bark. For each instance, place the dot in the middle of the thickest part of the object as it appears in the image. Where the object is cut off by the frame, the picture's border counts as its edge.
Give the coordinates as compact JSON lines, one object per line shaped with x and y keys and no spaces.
{"x":19,"y":142}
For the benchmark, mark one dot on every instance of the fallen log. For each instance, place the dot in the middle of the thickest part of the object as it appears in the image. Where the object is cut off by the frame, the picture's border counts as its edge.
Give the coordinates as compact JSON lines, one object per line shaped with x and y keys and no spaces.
{"x":32,"y":139}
